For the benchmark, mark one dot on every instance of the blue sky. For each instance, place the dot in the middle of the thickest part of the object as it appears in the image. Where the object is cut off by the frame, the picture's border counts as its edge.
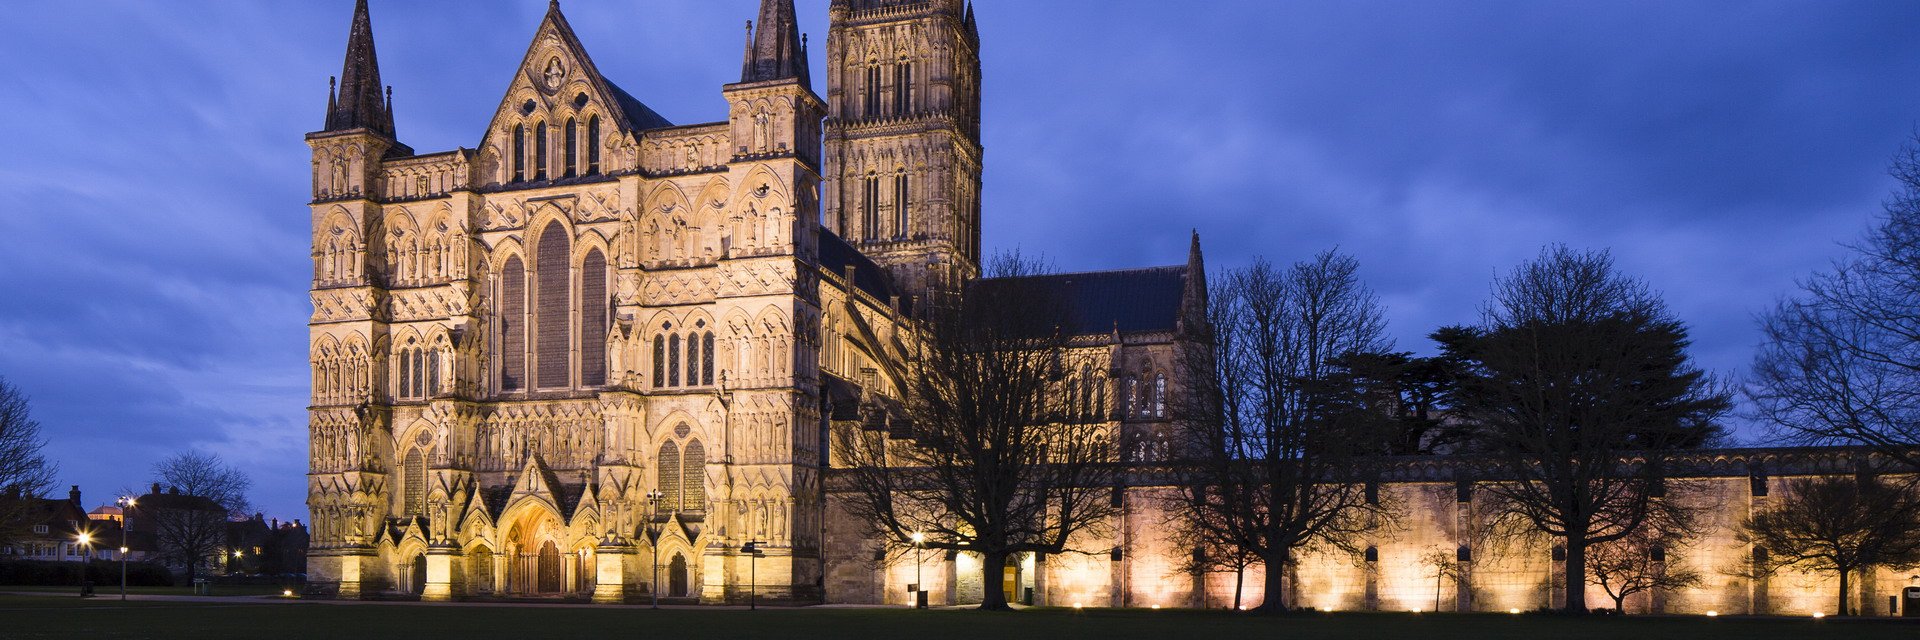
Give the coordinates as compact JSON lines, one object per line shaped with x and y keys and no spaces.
{"x":153,"y":184}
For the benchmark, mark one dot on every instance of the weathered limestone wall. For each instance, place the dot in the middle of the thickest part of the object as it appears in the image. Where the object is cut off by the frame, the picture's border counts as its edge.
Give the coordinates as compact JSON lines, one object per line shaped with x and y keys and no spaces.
{"x":1149,"y":568}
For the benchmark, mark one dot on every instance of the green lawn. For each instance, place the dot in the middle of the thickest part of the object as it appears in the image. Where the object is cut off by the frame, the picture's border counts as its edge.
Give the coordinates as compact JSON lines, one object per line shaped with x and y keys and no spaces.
{"x":56,"y":617}
{"x":113,"y":590}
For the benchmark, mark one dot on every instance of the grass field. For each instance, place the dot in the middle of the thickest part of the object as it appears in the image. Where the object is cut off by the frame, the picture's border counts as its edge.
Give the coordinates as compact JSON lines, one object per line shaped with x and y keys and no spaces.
{"x":66,"y":617}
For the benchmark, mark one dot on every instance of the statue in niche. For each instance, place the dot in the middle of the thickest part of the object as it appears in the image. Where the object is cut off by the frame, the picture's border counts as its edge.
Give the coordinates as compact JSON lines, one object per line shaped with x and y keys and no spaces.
{"x":761,"y":134}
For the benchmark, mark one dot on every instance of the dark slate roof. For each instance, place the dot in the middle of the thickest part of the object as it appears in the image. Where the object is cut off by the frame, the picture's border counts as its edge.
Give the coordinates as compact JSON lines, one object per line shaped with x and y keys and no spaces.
{"x":495,"y":499}
{"x":836,"y":255}
{"x":1131,"y":300}
{"x":640,"y":117}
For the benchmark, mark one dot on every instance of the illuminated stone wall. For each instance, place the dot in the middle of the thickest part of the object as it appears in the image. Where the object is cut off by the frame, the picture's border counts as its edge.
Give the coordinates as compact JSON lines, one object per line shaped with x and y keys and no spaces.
{"x":1149,"y":568}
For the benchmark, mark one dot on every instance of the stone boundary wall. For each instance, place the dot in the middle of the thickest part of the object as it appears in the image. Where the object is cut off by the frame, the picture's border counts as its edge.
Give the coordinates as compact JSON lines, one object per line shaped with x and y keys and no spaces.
{"x":1135,"y":564}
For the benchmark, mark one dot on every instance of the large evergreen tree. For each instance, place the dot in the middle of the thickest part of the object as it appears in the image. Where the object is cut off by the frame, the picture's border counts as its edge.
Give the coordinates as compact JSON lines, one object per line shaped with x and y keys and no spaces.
{"x":1574,"y":368}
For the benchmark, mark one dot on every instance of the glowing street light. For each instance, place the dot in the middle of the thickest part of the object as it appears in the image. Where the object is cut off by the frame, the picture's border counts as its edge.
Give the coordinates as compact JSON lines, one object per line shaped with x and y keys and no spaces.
{"x":83,"y":540}
{"x":126,"y":505}
{"x":919,"y":587}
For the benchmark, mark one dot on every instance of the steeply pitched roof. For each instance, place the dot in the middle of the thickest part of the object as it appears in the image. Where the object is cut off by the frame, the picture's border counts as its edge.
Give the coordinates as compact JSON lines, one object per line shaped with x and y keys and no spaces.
{"x":1130,"y":300}
{"x":640,"y":117}
{"x":836,"y":255}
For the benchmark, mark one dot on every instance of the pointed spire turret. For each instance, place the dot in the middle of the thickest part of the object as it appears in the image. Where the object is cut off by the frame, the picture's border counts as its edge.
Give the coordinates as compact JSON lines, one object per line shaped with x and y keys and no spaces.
{"x":973,"y":28}
{"x":359,"y":103}
{"x":773,"y":48}
{"x":1194,"y":316}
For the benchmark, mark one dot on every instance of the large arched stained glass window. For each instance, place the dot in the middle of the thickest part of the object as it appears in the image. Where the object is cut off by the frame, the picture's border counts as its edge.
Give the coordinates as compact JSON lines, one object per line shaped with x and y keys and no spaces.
{"x":513,"y":331}
{"x":593,"y":319}
{"x":552,"y":277}
{"x":693,"y":478}
{"x":667,"y":477}
{"x":415,"y":482}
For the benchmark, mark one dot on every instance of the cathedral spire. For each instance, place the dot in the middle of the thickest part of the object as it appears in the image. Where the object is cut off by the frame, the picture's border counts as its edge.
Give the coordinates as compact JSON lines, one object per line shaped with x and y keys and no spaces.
{"x":360,"y":103}
{"x":773,"y":46}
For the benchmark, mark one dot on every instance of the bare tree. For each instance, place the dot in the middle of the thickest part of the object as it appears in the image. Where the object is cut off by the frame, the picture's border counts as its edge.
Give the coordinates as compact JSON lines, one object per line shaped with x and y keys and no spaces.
{"x":1640,"y":562}
{"x":1269,"y":431}
{"x":25,"y":474}
{"x":1574,"y":367}
{"x":1210,"y":555}
{"x":992,"y":465}
{"x":1838,"y":524}
{"x":1841,"y":360}
{"x":189,"y":521}
{"x":1444,"y":564}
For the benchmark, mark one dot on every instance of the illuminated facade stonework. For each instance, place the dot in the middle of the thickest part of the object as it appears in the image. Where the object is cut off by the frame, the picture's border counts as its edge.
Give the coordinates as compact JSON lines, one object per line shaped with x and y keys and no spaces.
{"x":599,"y":353}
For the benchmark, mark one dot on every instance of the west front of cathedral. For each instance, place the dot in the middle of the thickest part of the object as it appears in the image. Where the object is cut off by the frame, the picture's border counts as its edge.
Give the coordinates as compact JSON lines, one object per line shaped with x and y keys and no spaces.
{"x":593,"y":356}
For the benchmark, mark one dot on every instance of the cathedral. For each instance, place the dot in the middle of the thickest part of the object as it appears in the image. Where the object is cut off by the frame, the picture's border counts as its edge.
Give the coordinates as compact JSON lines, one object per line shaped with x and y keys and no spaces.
{"x":599,"y":354}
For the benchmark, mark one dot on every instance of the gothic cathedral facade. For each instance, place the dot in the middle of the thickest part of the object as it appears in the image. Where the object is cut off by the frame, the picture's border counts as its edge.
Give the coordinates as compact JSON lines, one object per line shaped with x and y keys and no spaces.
{"x":591,"y":357}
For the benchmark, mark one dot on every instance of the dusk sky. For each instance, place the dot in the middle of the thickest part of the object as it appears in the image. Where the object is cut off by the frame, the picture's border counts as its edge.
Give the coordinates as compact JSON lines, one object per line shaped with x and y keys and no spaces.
{"x":154,"y":180}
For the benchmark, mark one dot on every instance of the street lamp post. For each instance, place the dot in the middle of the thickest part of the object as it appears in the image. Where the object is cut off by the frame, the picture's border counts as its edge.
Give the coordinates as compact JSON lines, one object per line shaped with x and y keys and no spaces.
{"x":919,"y":587}
{"x":653,"y":540}
{"x":752,"y":549}
{"x":126,"y":504}
{"x":83,"y":541}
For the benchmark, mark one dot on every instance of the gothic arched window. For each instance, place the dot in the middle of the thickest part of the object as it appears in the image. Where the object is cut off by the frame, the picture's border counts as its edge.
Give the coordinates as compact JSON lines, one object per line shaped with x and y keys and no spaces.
{"x":673,"y":360}
{"x":539,"y":151}
{"x":659,"y":361}
{"x":900,"y":202}
{"x":706,"y":346}
{"x":870,"y":208}
{"x":593,"y":319}
{"x":519,"y":153}
{"x":552,"y":279}
{"x":693,"y":358}
{"x":902,"y":88}
{"x":415,"y":482}
{"x":1130,"y":400}
{"x":433,"y":373}
{"x":668,"y":476}
{"x":693,"y":478}
{"x":573,"y":130}
{"x":1159,"y":396}
{"x":513,"y":331}
{"x":593,"y":145}
{"x":873,"y":92}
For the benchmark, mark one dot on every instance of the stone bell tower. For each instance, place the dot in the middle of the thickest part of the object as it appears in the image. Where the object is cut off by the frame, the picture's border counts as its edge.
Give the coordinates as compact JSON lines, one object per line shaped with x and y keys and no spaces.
{"x":902,"y":137}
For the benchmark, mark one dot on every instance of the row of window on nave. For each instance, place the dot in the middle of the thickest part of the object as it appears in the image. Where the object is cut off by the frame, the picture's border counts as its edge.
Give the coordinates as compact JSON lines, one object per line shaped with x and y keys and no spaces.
{"x":571,"y":142}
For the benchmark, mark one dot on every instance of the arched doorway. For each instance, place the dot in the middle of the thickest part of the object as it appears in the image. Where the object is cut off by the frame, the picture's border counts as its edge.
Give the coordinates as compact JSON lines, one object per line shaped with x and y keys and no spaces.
{"x":480,"y":571}
{"x":418,"y":583}
{"x":677,"y":577}
{"x":549,"y":568}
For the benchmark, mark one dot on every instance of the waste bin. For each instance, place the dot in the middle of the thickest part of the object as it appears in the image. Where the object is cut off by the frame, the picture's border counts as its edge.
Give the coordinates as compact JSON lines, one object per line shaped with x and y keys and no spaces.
{"x":201,"y":587}
{"x":920,"y":599}
{"x":86,"y":589}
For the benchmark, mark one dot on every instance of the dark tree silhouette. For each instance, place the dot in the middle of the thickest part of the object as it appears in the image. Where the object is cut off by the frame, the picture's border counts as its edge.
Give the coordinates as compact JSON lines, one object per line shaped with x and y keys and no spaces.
{"x":1574,"y":367}
{"x":25,"y":474}
{"x":1838,"y":524}
{"x":189,"y":521}
{"x":1840,"y":363}
{"x":1270,"y":430}
{"x":991,"y":466}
